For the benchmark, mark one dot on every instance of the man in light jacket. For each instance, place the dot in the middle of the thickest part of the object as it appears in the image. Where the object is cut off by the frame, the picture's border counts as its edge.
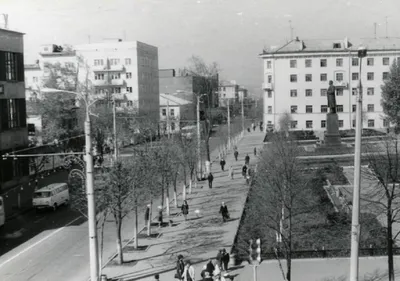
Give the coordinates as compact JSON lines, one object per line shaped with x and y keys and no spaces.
{"x":188,"y":273}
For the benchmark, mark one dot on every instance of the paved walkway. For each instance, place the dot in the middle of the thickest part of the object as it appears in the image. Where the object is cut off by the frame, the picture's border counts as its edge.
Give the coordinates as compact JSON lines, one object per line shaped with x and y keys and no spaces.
{"x":200,"y":236}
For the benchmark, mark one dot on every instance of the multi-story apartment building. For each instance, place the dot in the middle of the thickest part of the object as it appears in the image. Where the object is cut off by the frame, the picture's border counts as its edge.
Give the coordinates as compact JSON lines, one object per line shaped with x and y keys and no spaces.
{"x":127,"y":71}
{"x":228,"y":90}
{"x":297,"y":75}
{"x":242,"y":93}
{"x":13,"y":129}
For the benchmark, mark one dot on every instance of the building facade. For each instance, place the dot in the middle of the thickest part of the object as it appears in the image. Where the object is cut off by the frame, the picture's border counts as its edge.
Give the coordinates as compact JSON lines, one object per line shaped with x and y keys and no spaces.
{"x":175,"y":110}
{"x":13,"y":127}
{"x":228,"y":91}
{"x":297,"y":74}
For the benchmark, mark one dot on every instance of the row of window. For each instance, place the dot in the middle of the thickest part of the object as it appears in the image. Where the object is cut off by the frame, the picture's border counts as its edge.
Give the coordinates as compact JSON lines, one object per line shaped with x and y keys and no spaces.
{"x":339,"y":77}
{"x":339,"y":62}
{"x":12,"y":114}
{"x":323,"y":92}
{"x":113,"y":76}
{"x":324,"y":108}
{"x":310,"y":125}
{"x":114,"y":90}
{"x":164,"y":112}
{"x":100,"y":62}
{"x":11,"y":66}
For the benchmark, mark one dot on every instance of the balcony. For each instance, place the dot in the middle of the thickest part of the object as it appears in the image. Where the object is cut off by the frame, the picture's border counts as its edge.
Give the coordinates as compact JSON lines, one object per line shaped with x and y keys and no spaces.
{"x":340,"y":84}
{"x":106,"y":83}
{"x":268,"y":86}
{"x":111,"y":68}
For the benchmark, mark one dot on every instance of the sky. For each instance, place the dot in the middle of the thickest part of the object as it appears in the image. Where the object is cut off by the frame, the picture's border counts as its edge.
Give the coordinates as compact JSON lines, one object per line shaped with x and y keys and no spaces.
{"x":229,"y":32}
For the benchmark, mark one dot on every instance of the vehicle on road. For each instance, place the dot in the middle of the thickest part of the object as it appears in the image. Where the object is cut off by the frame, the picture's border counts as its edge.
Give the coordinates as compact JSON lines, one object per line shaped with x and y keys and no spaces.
{"x":51,"y":196}
{"x":2,"y":212}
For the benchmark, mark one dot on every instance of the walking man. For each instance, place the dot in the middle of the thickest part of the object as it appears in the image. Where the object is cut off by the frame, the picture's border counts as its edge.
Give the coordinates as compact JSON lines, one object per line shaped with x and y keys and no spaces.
{"x":188,"y":273}
{"x":236,"y":154}
{"x":222,"y":163}
{"x":160,"y":216}
{"x":225,"y":260}
{"x":224,"y":212}
{"x":185,"y":209}
{"x":255,"y":151}
{"x":210,"y":180}
{"x":231,"y":172}
{"x":244,"y":171}
{"x":247,"y":159}
{"x":180,"y":267}
{"x":147,"y":215}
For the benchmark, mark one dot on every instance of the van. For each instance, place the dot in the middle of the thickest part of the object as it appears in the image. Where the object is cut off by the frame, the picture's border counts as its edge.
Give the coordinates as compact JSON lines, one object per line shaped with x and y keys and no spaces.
{"x":2,"y":212}
{"x":51,"y":196}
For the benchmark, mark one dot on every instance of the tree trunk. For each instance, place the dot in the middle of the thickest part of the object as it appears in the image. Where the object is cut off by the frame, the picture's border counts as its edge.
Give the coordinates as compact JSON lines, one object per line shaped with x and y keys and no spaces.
{"x":208,"y":148}
{"x":136,"y":243}
{"x":175,"y":193}
{"x":105,"y":214}
{"x":162,"y":192}
{"x":120,"y":257}
{"x":167,"y":200}
{"x":150,"y":216}
{"x":389,"y":236}
{"x":289,"y":249}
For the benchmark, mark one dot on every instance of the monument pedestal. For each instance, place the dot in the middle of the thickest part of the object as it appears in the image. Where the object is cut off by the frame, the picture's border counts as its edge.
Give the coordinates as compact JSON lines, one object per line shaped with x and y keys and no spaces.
{"x":332,"y":136}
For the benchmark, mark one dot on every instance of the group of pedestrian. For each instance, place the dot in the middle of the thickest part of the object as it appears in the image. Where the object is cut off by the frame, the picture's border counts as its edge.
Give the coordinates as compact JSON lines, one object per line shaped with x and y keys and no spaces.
{"x":184,"y":270}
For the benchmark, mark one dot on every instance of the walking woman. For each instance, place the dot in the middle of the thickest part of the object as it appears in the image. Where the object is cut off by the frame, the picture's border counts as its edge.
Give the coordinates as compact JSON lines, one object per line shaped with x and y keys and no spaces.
{"x":185,"y":209}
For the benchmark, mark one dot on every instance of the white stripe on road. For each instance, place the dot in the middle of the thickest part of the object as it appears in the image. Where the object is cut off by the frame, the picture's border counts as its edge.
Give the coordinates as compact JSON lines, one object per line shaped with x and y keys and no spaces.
{"x":38,"y":242}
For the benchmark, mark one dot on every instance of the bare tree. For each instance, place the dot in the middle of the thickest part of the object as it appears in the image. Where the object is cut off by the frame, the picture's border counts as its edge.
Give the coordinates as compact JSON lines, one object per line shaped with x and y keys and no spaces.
{"x":284,"y":122}
{"x":384,"y":197}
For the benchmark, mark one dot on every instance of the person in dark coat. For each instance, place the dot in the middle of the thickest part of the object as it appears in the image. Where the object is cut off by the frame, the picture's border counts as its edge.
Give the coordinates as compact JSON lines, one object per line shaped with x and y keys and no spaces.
{"x":210,"y":180}
{"x":180,"y":267}
{"x":236,"y":154}
{"x":160,"y":216}
{"x":247,"y":159}
{"x":224,"y":212}
{"x":244,"y":171}
{"x":185,"y":209}
{"x":222,"y":163}
{"x":210,"y":267}
{"x":225,"y":260}
{"x":255,"y":152}
{"x":147,"y":215}
{"x":219,"y":258}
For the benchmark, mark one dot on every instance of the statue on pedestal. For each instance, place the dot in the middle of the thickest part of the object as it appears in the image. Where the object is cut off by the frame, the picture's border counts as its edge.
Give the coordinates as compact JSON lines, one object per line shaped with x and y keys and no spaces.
{"x":331,"y":98}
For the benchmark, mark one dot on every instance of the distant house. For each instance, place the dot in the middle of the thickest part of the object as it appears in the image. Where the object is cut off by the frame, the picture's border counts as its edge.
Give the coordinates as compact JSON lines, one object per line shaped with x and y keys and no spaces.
{"x":179,"y":112}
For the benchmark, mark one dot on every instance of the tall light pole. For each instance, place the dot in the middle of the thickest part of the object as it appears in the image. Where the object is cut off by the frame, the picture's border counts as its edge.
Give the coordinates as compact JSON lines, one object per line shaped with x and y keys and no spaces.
{"x":115,"y":130}
{"x":199,"y":172}
{"x":168,"y":125}
{"x":242,"y":114}
{"x":229,"y":125}
{"x":355,"y":223}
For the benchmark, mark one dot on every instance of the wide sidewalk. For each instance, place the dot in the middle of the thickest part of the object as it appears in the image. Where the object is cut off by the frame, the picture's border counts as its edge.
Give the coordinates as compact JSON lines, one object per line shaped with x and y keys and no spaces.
{"x":200,"y":237}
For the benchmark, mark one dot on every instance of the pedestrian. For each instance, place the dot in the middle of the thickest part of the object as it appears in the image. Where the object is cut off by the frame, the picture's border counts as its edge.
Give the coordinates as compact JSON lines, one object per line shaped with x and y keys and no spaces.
{"x":180,"y":267}
{"x":244,"y":171}
{"x":254,"y":127}
{"x":249,"y":130}
{"x":261,"y":126}
{"x":188,"y":273}
{"x":185,"y":209}
{"x":255,"y":151}
{"x":210,"y":180}
{"x":160,"y":216}
{"x":236,"y":154}
{"x":225,"y":260}
{"x":247,"y":159}
{"x":217,"y":270}
{"x":156,"y":277}
{"x":219,"y":259}
{"x":147,"y":215}
{"x":231,"y":172}
{"x":224,"y":212}
{"x":222,"y":163}
{"x":203,"y":272}
{"x":210,"y":267}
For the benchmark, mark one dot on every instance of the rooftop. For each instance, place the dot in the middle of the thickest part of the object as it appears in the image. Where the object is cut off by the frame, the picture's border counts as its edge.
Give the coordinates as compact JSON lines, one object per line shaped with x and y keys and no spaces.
{"x":31,"y":66}
{"x":330,"y":45}
{"x":11,"y":31}
{"x":109,"y":45}
{"x":173,"y":100}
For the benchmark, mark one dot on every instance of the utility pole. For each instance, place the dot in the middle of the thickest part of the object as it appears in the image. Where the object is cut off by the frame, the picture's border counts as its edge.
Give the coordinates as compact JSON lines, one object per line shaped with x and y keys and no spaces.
{"x":115,"y":130}
{"x":168,"y":123}
{"x":355,"y":224}
{"x":199,"y":171}
{"x":375,"y":30}
{"x":229,"y":125}
{"x":242,"y":115}
{"x":93,"y":251}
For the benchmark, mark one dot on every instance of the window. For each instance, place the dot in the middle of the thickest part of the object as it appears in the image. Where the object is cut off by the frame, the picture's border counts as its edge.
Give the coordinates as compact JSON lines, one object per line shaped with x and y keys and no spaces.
{"x":385,"y":75}
{"x":324,"y":92}
{"x":114,"y":61}
{"x":116,"y":76}
{"x":308,"y":108}
{"x":128,"y":75}
{"x":269,"y":64}
{"x":293,"y":109}
{"x":339,"y":76}
{"x":371,"y":123}
{"x":353,"y":123}
{"x":99,"y":76}
{"x":354,"y":108}
{"x":12,"y":113}
{"x":308,"y":77}
{"x":129,"y":89}
{"x":269,"y":94}
{"x":385,"y":123}
{"x":323,"y":123}
{"x":370,"y":61}
{"x":99,"y":91}
{"x":164,"y":112}
{"x":339,"y":91}
{"x":354,"y":91}
{"x":293,"y":63}
{"x":172,"y":112}
{"x":323,"y":63}
{"x":116,"y":90}
{"x":128,"y":61}
{"x":385,"y":61}
{"x":293,"y":124}
{"x":354,"y":76}
{"x":35,"y":79}
{"x":98,"y":62}
{"x":340,"y":123}
{"x":337,"y":45}
{"x":269,"y":78}
{"x":293,"y":93}
{"x":293,"y":78}
{"x":370,"y":91}
{"x":308,"y":93}
{"x":269,"y":109}
{"x":324,"y":108}
{"x":130,"y":103}
{"x":354,"y":61}
{"x":323,"y":77}
{"x":308,"y":63}
{"x":339,"y":108}
{"x":309,"y":124}
{"x":69,"y":65}
{"x":11,"y":66}
{"x":339,"y":62}
{"x":370,"y":108}
{"x":370,"y":76}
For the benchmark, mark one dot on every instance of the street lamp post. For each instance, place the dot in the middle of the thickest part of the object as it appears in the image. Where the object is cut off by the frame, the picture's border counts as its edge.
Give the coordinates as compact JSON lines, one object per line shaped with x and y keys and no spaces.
{"x":199,"y":166}
{"x":355,"y":224}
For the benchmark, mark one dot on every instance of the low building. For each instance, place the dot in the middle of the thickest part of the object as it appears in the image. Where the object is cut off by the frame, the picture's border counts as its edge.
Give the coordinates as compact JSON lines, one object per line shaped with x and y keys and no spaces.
{"x":228,"y":90}
{"x":178,"y":111}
